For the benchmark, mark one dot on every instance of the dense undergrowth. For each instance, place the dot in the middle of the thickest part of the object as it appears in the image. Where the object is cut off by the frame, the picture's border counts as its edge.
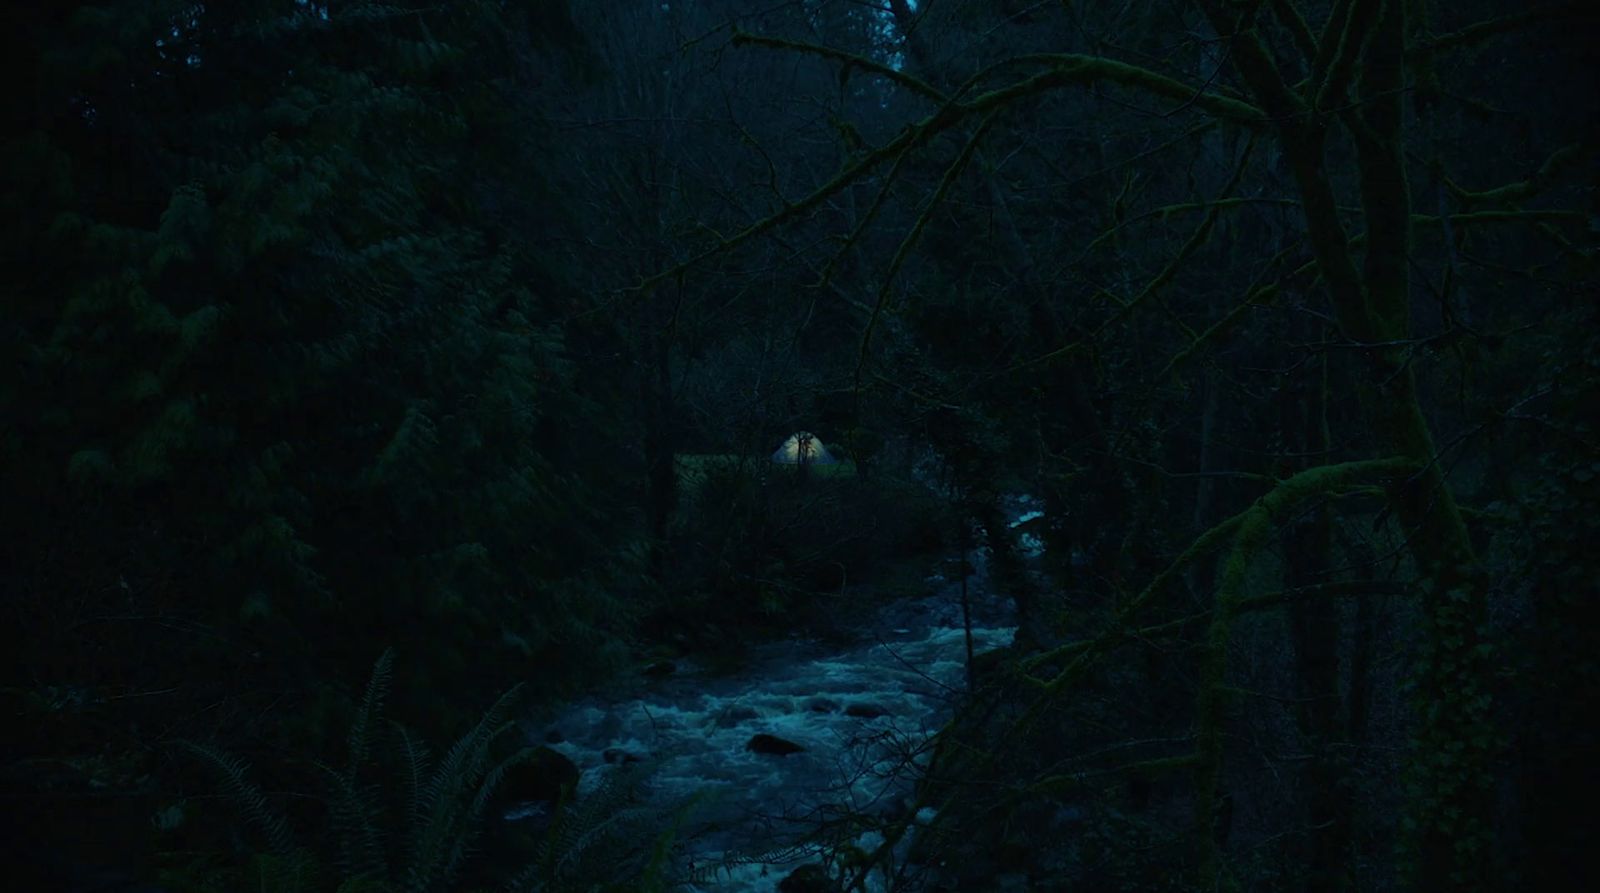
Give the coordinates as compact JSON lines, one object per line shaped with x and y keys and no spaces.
{"x":757,"y":548}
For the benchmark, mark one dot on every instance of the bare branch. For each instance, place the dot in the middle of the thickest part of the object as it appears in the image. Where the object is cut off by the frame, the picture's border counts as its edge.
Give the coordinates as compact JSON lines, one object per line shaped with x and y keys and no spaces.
{"x":853,"y":60}
{"x":1066,"y":70}
{"x":1289,"y":16}
{"x":1524,"y":189}
{"x":1482,"y":32}
{"x":906,"y":244}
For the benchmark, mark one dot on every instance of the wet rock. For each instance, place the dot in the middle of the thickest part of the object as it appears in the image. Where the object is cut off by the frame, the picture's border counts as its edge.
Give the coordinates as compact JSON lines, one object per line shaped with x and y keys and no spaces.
{"x":994,"y":664}
{"x":822,"y":705}
{"x":660,"y":669}
{"x":866,"y":711}
{"x":734,"y":715}
{"x":620,"y":757}
{"x":554,"y":736}
{"x":541,"y":777}
{"x":807,"y":879}
{"x":616,"y":756}
{"x":520,"y":812}
{"x":893,"y":809}
{"x":772,"y":744}
{"x":531,"y":811}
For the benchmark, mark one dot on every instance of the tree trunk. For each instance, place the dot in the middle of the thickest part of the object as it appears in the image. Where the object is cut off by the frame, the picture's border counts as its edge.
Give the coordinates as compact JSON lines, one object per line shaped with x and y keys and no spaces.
{"x":660,"y":447}
{"x":1452,"y":814}
{"x":1314,"y":625}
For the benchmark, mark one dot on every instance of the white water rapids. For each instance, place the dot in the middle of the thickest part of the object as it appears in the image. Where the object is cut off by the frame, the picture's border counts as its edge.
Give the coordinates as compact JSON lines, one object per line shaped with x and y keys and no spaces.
{"x":857,"y":710}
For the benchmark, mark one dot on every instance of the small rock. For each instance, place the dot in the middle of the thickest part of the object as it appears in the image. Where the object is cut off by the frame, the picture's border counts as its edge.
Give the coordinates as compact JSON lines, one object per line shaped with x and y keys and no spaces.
{"x":735,"y":715}
{"x":893,"y":810}
{"x":541,"y":777}
{"x":807,"y":879}
{"x":527,"y":811}
{"x":772,"y":744}
{"x":616,"y":756}
{"x":866,"y":711}
{"x":661,"y":669}
{"x":822,"y":705}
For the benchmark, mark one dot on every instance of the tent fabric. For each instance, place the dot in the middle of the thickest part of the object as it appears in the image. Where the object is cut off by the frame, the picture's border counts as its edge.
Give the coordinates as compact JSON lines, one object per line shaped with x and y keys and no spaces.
{"x":803,"y":448}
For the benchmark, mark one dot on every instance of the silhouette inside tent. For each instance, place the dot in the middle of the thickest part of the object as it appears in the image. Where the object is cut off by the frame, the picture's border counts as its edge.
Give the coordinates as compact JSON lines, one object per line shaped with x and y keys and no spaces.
{"x":803,"y":448}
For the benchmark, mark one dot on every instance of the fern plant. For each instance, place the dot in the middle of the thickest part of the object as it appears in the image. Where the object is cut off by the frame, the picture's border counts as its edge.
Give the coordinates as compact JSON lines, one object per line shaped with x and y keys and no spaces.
{"x":420,"y":850}
{"x":614,"y":839}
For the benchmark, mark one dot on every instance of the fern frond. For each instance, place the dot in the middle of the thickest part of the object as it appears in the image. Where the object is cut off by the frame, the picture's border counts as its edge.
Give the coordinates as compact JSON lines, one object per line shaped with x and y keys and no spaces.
{"x":440,"y":841}
{"x":464,"y":837}
{"x":603,"y":822}
{"x":354,"y":811}
{"x":371,"y":708}
{"x":292,"y":872}
{"x":574,"y":826}
{"x":656,"y":872}
{"x":531,"y":879}
{"x":246,"y":795}
{"x":413,"y":770}
{"x":469,"y":755}
{"x":491,"y":783}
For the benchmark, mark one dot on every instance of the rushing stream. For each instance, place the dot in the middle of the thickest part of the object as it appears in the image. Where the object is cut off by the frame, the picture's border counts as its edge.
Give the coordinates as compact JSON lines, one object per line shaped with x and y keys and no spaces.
{"x":856,"y":711}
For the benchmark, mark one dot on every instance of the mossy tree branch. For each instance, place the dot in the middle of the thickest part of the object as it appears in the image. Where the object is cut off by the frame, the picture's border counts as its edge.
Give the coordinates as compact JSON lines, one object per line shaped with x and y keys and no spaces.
{"x":1372,"y":307}
{"x":1522,"y":190}
{"x":1329,"y":42}
{"x":1288,"y":15}
{"x":1253,"y":530}
{"x":1489,"y":29}
{"x":1357,"y":26}
{"x":1288,"y":493}
{"x":1061,"y":70}
{"x":1171,"y":629}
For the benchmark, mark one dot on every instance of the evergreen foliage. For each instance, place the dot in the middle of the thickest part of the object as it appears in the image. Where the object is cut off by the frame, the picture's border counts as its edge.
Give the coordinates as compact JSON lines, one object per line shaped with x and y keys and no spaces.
{"x":281,"y":349}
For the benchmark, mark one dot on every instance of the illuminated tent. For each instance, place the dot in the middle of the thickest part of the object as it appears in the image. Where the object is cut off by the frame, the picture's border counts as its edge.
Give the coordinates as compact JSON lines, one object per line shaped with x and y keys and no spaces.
{"x":803,"y":448}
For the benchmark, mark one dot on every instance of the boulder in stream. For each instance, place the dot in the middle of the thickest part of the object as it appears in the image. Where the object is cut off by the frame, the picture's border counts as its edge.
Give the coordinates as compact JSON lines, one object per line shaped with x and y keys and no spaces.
{"x":541,"y":777}
{"x":807,"y":879}
{"x":866,"y":710}
{"x":772,"y":744}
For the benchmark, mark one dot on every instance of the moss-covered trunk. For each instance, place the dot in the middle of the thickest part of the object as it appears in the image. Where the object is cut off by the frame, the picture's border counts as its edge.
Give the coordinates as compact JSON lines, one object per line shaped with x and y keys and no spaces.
{"x":1314,"y":629}
{"x":1450,"y":820}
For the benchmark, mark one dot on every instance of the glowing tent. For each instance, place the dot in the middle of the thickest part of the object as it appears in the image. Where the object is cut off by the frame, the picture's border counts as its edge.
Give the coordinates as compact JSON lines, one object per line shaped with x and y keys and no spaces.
{"x":803,"y":448}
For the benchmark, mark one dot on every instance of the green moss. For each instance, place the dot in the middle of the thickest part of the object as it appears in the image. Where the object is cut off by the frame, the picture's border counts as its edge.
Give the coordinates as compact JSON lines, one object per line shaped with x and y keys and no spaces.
{"x":1255,"y":526}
